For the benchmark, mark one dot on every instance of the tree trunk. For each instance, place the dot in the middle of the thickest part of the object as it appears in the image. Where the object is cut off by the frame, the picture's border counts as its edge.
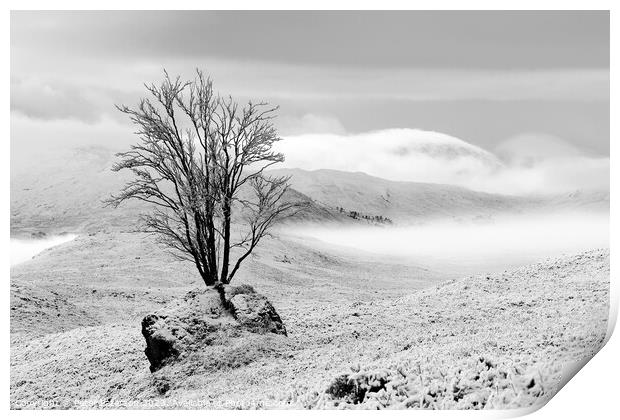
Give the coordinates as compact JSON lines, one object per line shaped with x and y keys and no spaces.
{"x":209,"y":280}
{"x":226,"y":250}
{"x":219,"y":286}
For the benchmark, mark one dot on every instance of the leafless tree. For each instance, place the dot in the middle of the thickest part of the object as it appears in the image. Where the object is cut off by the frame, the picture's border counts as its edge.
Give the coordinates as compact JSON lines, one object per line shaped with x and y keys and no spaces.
{"x":200,"y":162}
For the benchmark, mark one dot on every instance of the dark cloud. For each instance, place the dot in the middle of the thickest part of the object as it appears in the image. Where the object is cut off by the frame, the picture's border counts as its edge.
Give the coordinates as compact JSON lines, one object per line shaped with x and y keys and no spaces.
{"x":48,"y":99}
{"x":465,"y":39}
{"x":481,"y":76}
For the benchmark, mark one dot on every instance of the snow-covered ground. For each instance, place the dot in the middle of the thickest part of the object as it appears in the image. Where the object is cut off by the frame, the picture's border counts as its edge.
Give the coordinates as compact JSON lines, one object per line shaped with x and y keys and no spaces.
{"x":428,"y":339}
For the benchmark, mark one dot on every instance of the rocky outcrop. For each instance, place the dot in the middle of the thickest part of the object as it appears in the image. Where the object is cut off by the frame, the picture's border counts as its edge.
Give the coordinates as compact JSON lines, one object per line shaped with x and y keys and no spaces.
{"x":160,"y":342}
{"x":201,"y":319}
{"x":254,"y":311}
{"x":353,"y":388}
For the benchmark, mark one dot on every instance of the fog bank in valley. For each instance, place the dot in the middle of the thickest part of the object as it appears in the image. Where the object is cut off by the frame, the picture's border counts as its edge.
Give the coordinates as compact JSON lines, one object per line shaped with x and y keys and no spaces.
{"x":24,"y":249}
{"x":474,"y":246}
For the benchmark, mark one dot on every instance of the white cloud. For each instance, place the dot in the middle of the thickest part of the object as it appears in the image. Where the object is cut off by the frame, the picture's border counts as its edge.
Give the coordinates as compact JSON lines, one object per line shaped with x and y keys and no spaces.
{"x":422,"y":156}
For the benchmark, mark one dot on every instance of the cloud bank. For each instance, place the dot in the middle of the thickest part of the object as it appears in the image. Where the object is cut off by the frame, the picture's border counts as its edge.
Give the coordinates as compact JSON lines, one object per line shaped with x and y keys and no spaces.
{"x":529,"y":164}
{"x":83,"y":91}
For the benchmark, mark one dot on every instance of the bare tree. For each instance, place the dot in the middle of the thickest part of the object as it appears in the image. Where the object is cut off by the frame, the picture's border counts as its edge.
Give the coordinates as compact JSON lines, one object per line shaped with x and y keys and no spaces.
{"x":200,"y":161}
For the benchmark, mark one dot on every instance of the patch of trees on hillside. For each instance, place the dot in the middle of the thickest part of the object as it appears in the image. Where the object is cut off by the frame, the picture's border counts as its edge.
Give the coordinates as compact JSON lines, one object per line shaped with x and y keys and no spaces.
{"x":354,"y":214}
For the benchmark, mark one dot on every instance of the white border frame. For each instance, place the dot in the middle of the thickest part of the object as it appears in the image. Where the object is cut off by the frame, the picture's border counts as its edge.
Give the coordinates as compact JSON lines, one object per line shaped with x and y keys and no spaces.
{"x":593,"y":391}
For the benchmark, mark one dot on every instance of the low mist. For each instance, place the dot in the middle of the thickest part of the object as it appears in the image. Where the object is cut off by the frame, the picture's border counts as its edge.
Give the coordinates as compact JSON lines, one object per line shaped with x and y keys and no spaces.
{"x":24,"y":249}
{"x":464,"y":247}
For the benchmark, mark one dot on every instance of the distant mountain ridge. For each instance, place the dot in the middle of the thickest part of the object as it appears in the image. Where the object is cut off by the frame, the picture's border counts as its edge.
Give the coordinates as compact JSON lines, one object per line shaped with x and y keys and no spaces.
{"x":411,"y":201}
{"x":400,"y":201}
{"x":65,"y":191}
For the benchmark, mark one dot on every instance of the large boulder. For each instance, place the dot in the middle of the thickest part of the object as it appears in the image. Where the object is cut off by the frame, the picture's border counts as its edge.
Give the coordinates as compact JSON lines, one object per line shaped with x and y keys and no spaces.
{"x":253,"y":310}
{"x":200,"y":320}
{"x":160,"y":342}
{"x":183,"y":325}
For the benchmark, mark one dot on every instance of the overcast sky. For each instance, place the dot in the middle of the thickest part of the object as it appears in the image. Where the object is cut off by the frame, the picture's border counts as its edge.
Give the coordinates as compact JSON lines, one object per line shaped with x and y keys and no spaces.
{"x":484,"y":77}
